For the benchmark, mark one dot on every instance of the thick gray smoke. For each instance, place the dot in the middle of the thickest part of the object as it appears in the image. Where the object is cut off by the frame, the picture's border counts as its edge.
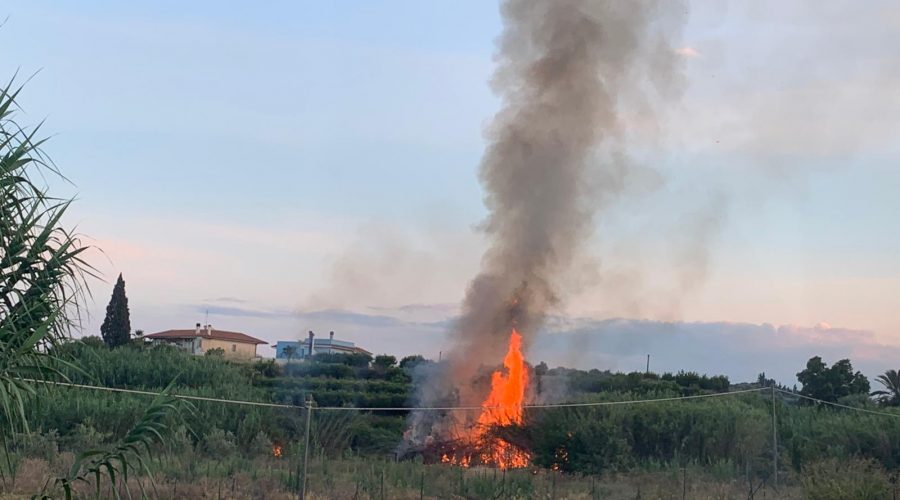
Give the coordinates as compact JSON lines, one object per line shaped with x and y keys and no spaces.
{"x":555,"y":155}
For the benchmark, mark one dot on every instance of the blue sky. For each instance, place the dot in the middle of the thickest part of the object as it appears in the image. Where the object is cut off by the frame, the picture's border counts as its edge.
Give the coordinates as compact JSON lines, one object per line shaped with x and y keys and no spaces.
{"x":322,"y":156}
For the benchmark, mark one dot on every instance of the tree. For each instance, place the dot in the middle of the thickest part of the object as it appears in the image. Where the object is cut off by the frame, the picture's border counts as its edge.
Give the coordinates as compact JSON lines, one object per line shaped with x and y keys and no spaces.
{"x":830,"y":384}
{"x":540,"y":370}
{"x":384,"y":361}
{"x":289,"y":352}
{"x":410,"y":362}
{"x":116,"y":328}
{"x":891,"y":381}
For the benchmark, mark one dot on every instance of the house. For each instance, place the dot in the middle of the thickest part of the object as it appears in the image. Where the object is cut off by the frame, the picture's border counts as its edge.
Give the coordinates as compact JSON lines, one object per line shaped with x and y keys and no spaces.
{"x":204,"y":338}
{"x":311,"y":346}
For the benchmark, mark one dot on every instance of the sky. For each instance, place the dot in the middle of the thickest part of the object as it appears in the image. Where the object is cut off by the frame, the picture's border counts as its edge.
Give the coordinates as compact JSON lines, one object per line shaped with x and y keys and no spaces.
{"x":313,"y":165}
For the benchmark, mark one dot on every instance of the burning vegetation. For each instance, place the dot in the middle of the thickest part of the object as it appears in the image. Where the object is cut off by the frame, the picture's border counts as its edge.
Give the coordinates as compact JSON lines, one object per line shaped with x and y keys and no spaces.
{"x":479,"y":445}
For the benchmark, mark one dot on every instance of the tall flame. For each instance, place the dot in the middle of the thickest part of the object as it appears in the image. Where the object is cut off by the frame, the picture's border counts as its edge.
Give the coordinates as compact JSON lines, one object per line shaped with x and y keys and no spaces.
{"x":503,"y":406}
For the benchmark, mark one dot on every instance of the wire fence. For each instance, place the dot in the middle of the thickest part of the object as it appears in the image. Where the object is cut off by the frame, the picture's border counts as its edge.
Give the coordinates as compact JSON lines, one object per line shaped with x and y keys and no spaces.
{"x":309,"y":408}
{"x":408,"y":408}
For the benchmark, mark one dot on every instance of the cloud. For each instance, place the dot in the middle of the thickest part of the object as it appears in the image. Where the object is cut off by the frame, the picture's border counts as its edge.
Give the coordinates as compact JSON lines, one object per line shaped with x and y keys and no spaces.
{"x":739,"y":350}
{"x":233,"y":300}
{"x":240,"y":311}
{"x":339,"y":316}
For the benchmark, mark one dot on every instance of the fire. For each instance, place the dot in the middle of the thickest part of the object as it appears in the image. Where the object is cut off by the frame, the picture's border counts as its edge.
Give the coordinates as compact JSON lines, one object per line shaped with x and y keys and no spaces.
{"x":503,"y":406}
{"x":276,"y":450}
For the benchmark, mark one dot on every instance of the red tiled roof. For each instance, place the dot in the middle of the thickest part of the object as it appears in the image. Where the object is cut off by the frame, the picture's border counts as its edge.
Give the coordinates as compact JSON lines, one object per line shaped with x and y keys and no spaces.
{"x":214,"y":334}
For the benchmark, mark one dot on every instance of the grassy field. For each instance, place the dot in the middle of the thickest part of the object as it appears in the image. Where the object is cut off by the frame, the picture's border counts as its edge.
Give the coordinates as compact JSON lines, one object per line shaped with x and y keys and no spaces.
{"x":189,"y":476}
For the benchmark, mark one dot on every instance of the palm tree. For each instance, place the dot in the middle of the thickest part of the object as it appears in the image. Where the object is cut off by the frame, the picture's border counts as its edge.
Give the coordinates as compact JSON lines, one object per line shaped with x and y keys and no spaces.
{"x":891,"y":381}
{"x":289,"y":351}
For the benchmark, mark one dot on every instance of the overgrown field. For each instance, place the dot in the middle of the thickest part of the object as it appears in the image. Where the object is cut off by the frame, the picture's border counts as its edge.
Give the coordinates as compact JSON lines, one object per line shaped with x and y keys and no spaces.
{"x":717,"y":447}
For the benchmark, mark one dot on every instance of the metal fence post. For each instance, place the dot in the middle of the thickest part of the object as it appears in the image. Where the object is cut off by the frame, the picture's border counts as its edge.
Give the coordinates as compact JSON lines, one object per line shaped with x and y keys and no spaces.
{"x":309,"y":405}
{"x":774,"y":440}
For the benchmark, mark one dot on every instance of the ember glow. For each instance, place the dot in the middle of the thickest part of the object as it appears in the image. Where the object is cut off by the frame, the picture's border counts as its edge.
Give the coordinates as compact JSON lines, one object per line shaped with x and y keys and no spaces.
{"x":276,"y":451}
{"x":503,"y":406}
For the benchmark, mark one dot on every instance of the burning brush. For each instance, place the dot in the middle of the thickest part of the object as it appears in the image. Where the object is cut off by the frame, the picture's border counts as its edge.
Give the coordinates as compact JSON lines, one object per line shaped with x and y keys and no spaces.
{"x":482,"y":443}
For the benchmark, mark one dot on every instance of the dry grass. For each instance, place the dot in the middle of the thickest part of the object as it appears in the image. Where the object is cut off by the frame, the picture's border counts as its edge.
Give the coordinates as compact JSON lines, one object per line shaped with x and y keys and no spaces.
{"x":359,"y":479}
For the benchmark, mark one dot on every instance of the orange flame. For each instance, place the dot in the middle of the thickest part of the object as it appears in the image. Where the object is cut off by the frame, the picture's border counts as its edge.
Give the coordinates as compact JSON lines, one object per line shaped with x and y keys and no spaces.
{"x":503,"y":406}
{"x":276,"y":451}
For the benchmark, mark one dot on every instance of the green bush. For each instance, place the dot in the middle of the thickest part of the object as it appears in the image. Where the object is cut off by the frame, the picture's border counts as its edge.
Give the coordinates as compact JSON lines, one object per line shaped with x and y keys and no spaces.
{"x":259,"y":446}
{"x":218,"y":443}
{"x":85,"y":437}
{"x":833,"y":479}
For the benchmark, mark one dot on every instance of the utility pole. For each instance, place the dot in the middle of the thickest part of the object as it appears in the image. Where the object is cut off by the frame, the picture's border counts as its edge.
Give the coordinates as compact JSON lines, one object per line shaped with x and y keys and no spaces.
{"x":648,"y":364}
{"x":309,"y":405}
{"x":774,"y":440}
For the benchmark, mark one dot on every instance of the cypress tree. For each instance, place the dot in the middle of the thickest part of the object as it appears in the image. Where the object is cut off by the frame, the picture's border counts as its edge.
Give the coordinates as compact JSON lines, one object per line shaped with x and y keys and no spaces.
{"x":116,"y":328}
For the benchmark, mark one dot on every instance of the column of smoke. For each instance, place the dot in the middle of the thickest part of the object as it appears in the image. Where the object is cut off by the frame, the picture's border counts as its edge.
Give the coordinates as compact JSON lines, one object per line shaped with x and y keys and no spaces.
{"x":554,"y":155}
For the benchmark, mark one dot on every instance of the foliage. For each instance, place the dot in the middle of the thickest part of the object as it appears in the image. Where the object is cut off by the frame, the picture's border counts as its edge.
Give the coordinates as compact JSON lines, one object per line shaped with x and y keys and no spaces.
{"x":116,"y":327}
{"x":42,"y":283}
{"x":384,"y":361}
{"x":830,"y":384}
{"x":289,"y":352}
{"x":131,"y":454}
{"x":86,"y":437}
{"x":891,"y":382}
{"x":732,"y":433}
{"x":216,"y":351}
{"x":834,"y":479}
{"x":218,"y":443}
{"x":259,"y":446}
{"x":39,"y":444}
{"x":42,"y":272}
{"x":356,"y":360}
{"x":410,"y":362}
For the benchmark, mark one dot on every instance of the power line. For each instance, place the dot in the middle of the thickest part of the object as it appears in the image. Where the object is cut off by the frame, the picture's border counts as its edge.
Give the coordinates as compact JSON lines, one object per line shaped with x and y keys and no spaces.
{"x":863,"y":410}
{"x":373,"y":408}
{"x":151,"y":393}
{"x":559,"y":405}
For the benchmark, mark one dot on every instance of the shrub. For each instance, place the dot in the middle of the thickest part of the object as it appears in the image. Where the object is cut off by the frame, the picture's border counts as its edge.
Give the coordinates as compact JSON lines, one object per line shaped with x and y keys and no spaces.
{"x":43,"y":445}
{"x":85,"y":437}
{"x":259,"y":446}
{"x":219,"y":443}
{"x":834,"y":479}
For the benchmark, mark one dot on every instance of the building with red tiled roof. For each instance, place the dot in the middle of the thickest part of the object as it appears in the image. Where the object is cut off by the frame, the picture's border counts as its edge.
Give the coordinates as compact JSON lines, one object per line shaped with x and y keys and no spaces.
{"x":204,"y":338}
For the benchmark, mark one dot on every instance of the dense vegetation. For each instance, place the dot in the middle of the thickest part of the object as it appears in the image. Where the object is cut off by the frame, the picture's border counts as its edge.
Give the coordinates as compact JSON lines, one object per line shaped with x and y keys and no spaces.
{"x":732,"y":432}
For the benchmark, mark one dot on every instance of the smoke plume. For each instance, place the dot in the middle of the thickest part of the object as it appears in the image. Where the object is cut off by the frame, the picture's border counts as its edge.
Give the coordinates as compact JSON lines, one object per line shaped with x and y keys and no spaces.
{"x":555,"y":154}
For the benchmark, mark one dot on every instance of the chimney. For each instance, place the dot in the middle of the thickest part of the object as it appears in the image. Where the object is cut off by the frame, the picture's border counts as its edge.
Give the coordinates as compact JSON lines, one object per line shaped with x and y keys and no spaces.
{"x":197,"y":331}
{"x":208,"y":330}
{"x":331,"y":336}
{"x":311,"y":344}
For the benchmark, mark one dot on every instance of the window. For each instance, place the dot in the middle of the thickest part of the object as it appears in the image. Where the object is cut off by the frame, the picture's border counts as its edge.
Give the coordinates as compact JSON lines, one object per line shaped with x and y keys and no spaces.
{"x":233,"y":347}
